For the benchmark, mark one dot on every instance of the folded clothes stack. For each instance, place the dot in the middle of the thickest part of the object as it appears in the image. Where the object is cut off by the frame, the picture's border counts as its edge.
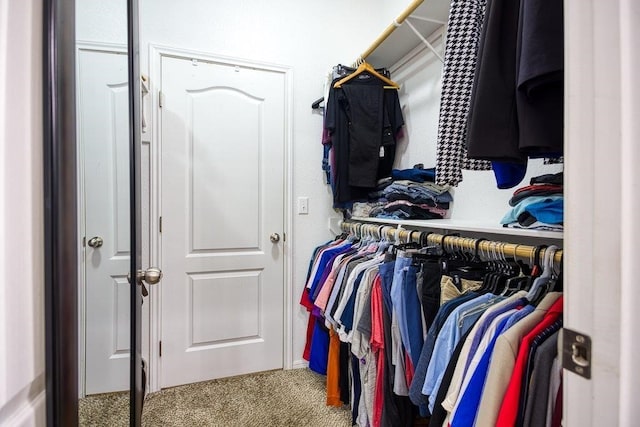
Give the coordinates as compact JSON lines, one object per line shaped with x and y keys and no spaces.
{"x":538,"y":206}
{"x":409,"y":194}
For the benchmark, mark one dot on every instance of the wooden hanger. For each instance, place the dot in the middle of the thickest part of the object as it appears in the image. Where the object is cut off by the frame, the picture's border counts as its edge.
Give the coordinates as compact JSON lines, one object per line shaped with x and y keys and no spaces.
{"x":366,"y":67}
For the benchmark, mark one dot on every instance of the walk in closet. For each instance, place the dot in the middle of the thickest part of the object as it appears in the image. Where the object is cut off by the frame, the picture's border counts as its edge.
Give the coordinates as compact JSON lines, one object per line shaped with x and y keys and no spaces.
{"x":414,"y":61}
{"x":399,"y":345}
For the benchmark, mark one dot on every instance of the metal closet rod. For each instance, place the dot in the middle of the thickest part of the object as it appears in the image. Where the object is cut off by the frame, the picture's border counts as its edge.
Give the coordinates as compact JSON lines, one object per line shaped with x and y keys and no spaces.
{"x":524,"y":252}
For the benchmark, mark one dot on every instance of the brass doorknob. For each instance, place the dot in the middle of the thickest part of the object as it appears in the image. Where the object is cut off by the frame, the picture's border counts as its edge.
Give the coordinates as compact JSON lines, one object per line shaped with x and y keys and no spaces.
{"x":95,"y":242}
{"x":275,"y":237}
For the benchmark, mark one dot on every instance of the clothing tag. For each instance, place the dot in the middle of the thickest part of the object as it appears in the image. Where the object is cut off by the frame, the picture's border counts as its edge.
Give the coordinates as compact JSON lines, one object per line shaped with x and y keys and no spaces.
{"x":382,"y":151}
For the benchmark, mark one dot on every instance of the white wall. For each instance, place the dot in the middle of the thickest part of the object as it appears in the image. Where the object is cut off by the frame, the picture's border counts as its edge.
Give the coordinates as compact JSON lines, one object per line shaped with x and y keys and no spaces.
{"x":310,"y":37}
{"x":22,"y":335}
{"x":420,"y":87}
{"x":102,"y":21}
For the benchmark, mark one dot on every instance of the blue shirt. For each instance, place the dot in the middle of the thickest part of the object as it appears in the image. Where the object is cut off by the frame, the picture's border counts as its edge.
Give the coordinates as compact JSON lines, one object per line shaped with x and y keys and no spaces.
{"x":413,"y":314}
{"x":326,"y":256}
{"x":415,"y":389}
{"x":470,"y":401}
{"x":445,"y":344}
{"x":486,"y":322}
{"x":399,"y":276}
{"x":534,"y":201}
{"x":346,"y":319}
{"x":386,"y":279}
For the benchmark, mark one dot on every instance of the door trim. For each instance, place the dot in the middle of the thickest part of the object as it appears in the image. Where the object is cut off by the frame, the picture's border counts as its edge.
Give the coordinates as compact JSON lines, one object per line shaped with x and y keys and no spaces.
{"x":60,"y":229}
{"x":630,"y":206}
{"x":156,"y":52}
{"x":87,"y":46}
{"x":600,"y":242}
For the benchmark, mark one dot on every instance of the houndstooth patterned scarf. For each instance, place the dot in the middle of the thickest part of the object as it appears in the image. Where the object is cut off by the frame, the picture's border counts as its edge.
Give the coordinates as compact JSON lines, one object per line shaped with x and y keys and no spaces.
{"x":463,"y":37}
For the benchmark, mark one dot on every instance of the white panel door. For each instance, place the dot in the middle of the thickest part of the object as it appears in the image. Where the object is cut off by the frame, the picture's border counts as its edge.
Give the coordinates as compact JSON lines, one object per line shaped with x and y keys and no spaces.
{"x":222,"y":196}
{"x":104,"y":139}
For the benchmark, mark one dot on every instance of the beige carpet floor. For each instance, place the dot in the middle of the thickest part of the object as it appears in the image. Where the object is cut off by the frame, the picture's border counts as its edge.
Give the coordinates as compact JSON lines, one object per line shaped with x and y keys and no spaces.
{"x":274,"y":399}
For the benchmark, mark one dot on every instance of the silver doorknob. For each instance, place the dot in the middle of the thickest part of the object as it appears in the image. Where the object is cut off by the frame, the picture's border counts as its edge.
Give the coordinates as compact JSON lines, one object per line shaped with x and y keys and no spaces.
{"x":151,"y":275}
{"x":95,"y":242}
{"x":275,"y":237}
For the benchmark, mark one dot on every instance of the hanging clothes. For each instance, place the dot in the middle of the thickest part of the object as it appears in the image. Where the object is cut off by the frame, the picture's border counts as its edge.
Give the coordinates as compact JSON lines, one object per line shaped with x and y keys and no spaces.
{"x":399,"y":332}
{"x":492,"y":132}
{"x":516,"y":107}
{"x":503,"y":361}
{"x":510,"y":403}
{"x":463,"y":36}
{"x":536,"y":406}
{"x":363,"y":121}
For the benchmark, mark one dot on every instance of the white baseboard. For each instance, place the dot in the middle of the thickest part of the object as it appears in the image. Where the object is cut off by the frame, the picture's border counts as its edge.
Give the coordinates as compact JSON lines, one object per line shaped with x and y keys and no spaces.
{"x":299,"y":364}
{"x":31,"y":413}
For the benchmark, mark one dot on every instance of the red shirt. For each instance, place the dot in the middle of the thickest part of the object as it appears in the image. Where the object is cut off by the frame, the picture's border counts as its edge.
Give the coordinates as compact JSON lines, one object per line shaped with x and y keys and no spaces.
{"x":509,"y":409}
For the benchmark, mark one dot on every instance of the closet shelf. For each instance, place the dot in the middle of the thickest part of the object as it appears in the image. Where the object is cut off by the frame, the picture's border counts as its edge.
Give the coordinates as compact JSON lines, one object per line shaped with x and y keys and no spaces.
{"x":399,"y":38}
{"x":470,"y":226}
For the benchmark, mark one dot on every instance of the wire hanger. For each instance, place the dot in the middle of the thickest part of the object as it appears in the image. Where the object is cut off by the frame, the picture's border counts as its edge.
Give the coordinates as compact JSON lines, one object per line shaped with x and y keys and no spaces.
{"x":366,"y":67}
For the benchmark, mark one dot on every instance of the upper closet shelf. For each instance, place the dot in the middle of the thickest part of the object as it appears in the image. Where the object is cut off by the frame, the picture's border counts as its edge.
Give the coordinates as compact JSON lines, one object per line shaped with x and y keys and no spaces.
{"x":411,"y":28}
{"x":453,"y":225}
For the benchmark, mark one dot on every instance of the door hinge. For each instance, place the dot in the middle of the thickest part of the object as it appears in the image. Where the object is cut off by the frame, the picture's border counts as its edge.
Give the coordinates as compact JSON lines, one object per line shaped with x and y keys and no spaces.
{"x":160,"y":99}
{"x":160,"y":349}
{"x":576,"y":352}
{"x":160,"y":225}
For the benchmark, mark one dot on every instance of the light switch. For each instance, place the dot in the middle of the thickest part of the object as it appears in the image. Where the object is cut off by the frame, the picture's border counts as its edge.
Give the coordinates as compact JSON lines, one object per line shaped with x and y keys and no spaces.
{"x":303,"y":205}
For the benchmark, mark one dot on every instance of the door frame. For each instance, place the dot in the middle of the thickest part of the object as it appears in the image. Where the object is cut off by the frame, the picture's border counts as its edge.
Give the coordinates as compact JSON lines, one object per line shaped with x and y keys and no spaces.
{"x":601,"y":220}
{"x":156,"y":53}
{"x":60,"y":285}
{"x":60,"y":200}
{"x":89,"y":46}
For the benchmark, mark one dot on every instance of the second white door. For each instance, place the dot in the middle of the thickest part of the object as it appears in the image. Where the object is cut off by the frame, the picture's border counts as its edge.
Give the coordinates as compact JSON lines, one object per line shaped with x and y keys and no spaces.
{"x":104,"y":141}
{"x":222,"y":197}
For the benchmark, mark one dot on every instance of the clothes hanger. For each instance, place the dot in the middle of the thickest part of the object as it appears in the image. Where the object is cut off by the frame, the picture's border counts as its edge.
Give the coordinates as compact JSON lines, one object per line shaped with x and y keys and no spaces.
{"x":503,"y":270}
{"x":316,"y":104}
{"x":476,"y":256}
{"x":536,"y":268}
{"x":448,"y":262}
{"x":557,"y":286}
{"x":467,"y":264}
{"x":547,"y":271}
{"x":424,"y":238}
{"x":549,"y":284}
{"x":366,"y":67}
{"x":497,"y":284}
{"x":409,"y":244}
{"x":418,"y":249}
{"x":519,"y":281}
{"x":425,"y":247}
